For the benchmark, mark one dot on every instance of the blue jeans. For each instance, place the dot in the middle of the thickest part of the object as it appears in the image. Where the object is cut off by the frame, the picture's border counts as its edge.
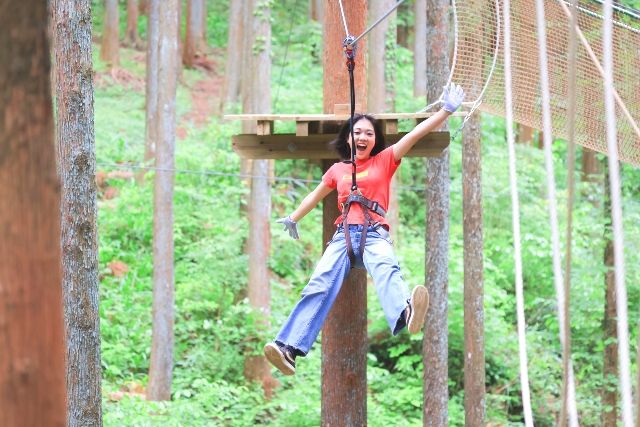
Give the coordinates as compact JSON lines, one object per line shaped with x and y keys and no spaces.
{"x":306,"y":319}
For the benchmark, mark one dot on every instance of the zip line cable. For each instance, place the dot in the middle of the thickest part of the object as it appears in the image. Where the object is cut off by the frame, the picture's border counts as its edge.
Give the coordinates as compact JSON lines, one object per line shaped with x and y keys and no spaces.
{"x":284,"y":60}
{"x":515,"y":222}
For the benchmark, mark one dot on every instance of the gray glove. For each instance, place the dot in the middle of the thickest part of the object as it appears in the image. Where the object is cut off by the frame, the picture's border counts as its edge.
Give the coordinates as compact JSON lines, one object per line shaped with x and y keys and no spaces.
{"x":452,"y":97}
{"x":290,"y":225}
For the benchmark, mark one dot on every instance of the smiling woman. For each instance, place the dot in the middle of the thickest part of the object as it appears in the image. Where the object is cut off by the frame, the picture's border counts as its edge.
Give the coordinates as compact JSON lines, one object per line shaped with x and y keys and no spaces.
{"x":362,"y":236}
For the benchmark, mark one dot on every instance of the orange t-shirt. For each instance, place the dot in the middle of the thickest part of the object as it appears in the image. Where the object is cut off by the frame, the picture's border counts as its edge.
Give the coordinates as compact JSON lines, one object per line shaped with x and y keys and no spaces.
{"x":373,"y":177}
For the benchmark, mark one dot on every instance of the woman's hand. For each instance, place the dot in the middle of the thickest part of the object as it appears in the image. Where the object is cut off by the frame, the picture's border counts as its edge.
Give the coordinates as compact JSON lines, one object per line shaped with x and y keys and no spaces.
{"x":289,"y":225}
{"x":452,"y":97}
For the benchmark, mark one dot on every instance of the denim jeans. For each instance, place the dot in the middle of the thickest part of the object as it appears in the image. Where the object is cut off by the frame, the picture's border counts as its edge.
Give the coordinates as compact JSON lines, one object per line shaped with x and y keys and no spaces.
{"x":307,"y":317}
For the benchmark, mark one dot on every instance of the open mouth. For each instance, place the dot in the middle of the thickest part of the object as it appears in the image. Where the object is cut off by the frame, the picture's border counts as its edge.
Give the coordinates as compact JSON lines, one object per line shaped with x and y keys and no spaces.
{"x":361,"y":147}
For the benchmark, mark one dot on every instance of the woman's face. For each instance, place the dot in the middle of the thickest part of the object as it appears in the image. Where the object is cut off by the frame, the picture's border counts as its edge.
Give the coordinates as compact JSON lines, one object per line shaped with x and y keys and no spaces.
{"x":365,"y":137}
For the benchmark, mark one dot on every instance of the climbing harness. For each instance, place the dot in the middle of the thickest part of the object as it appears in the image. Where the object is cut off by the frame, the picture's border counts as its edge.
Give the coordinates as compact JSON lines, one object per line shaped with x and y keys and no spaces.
{"x":349,"y":46}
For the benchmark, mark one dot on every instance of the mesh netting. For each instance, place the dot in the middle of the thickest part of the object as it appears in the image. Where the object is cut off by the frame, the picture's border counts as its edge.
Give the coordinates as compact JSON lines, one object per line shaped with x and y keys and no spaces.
{"x":480,"y":45}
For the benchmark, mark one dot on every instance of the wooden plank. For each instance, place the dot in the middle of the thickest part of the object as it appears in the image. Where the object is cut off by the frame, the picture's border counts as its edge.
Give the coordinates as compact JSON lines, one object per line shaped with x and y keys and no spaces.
{"x":290,"y":146}
{"x":390,"y":126}
{"x":302,"y":128}
{"x":265,"y":127}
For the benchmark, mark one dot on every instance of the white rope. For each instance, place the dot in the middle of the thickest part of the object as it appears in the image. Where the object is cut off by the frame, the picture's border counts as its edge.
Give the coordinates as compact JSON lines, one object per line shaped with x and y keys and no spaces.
{"x":515,"y":219}
{"x":571,"y":163}
{"x":551,"y":190}
{"x":616,"y":218}
{"x":344,"y":19}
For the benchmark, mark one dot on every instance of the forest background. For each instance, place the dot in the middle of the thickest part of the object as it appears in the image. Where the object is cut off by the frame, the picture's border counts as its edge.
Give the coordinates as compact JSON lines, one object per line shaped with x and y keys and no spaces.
{"x":215,"y":328}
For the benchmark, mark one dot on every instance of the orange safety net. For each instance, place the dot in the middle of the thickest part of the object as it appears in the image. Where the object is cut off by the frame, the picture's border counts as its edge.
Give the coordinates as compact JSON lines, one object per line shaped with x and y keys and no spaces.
{"x":478,"y":62}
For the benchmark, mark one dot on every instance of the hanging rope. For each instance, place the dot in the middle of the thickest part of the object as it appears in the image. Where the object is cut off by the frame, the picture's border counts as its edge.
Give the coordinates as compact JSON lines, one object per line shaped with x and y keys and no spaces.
{"x":551,"y":192}
{"x":515,"y":219}
{"x":616,"y":218}
{"x":571,"y":162}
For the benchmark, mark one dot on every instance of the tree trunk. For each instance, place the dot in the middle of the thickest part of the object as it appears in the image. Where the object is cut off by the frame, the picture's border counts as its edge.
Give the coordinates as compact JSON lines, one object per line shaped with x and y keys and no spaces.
{"x":77,"y":159}
{"x":161,"y":362}
{"x":420,"y":49}
{"x":610,"y":365}
{"x":474,"y":372}
{"x":403,"y":28}
{"x":344,"y":335}
{"x":151,"y":88}
{"x":591,"y":169}
{"x":435,"y":341}
{"x":109,"y":51}
{"x":233,"y":66}
{"x":381,"y":80}
{"x":131,"y":34}
{"x":259,"y":244}
{"x":316,"y":12}
{"x":143,"y":7}
{"x":32,"y":342}
{"x":201,"y":43}
{"x":193,"y":34}
{"x":525,"y":135}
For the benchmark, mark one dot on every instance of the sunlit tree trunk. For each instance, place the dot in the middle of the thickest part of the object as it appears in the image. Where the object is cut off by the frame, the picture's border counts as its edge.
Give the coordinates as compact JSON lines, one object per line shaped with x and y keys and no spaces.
{"x":420,"y":49}
{"x":474,"y":372}
{"x":32,"y":342}
{"x":131,"y":33}
{"x":435,"y":341}
{"x":161,"y":363}
{"x":109,"y":51}
{"x":234,"y":53}
{"x":151,"y":88}
{"x":75,"y":133}
{"x":610,"y":364}
{"x":315,"y":10}
{"x":258,"y":97}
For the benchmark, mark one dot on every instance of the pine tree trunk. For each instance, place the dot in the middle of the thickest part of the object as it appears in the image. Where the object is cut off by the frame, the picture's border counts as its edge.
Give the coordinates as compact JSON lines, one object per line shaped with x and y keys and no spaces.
{"x":259,"y":101}
{"x":131,"y":34}
{"x":316,"y":12}
{"x":525,"y":135}
{"x":32,"y":349}
{"x":233,"y":65}
{"x":193,"y":34}
{"x":151,"y":88}
{"x":591,"y":169}
{"x":161,"y":363}
{"x":435,"y":341}
{"x":344,"y":335}
{"x":610,"y":365}
{"x":420,"y":49}
{"x":474,"y":371}
{"x":109,"y":51}
{"x":75,"y":133}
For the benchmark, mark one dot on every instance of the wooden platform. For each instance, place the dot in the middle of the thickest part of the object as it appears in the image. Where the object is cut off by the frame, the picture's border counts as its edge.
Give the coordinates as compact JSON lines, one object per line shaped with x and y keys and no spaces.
{"x":315,"y":131}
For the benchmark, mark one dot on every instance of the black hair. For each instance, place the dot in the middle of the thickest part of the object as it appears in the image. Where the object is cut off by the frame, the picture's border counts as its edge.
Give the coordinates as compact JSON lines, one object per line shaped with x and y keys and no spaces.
{"x":341,"y":143}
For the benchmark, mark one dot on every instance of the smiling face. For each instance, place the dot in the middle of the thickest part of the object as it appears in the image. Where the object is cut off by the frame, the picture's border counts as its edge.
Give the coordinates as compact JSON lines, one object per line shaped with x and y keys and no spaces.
{"x":365,"y":137}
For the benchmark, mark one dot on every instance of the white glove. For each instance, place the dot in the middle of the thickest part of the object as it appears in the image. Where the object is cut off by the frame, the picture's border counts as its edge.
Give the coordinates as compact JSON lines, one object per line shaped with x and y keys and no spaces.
{"x":452,"y":97}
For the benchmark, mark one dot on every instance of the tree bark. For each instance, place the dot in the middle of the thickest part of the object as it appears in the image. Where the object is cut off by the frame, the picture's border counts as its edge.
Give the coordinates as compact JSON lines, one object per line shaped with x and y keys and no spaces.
{"x":75,"y":133}
{"x":435,"y":341}
{"x":344,"y":336}
{"x":474,"y":371}
{"x":420,"y":49}
{"x":258,"y":97}
{"x":109,"y":51}
{"x":525,"y":135}
{"x":131,"y":34}
{"x":233,"y":66}
{"x":591,"y":169}
{"x":316,"y":12}
{"x":193,"y":34}
{"x":161,"y":363}
{"x":32,"y":343}
{"x":610,"y":365}
{"x":151,"y":88}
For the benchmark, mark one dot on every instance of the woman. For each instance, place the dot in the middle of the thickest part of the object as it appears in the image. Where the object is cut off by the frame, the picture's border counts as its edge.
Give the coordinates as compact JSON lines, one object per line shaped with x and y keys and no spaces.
{"x":375,"y":167}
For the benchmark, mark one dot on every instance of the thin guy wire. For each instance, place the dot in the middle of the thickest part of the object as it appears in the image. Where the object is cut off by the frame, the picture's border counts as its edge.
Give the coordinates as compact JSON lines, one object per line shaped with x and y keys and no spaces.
{"x":344,"y":19}
{"x":515,"y":220}
{"x":551,"y":192}
{"x":205,"y":172}
{"x":616,"y":217}
{"x":571,"y":116}
{"x":378,"y":21}
{"x":284,"y":61}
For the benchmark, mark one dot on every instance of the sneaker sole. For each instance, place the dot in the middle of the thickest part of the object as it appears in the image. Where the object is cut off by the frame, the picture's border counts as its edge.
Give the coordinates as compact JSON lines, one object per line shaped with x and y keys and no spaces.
{"x":276,"y":358}
{"x":420,"y":305}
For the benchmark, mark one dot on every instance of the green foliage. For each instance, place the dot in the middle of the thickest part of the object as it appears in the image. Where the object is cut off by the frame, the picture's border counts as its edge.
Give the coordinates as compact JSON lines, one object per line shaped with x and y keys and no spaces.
{"x":214,"y":326}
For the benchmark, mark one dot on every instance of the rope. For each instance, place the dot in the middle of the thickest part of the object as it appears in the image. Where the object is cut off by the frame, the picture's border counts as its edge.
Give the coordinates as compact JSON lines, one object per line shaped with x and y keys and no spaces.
{"x":551,"y":186}
{"x":571,"y":114}
{"x":515,"y":219}
{"x":616,"y":217}
{"x":379,"y":21}
{"x":344,"y":19}
{"x":284,"y":61}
